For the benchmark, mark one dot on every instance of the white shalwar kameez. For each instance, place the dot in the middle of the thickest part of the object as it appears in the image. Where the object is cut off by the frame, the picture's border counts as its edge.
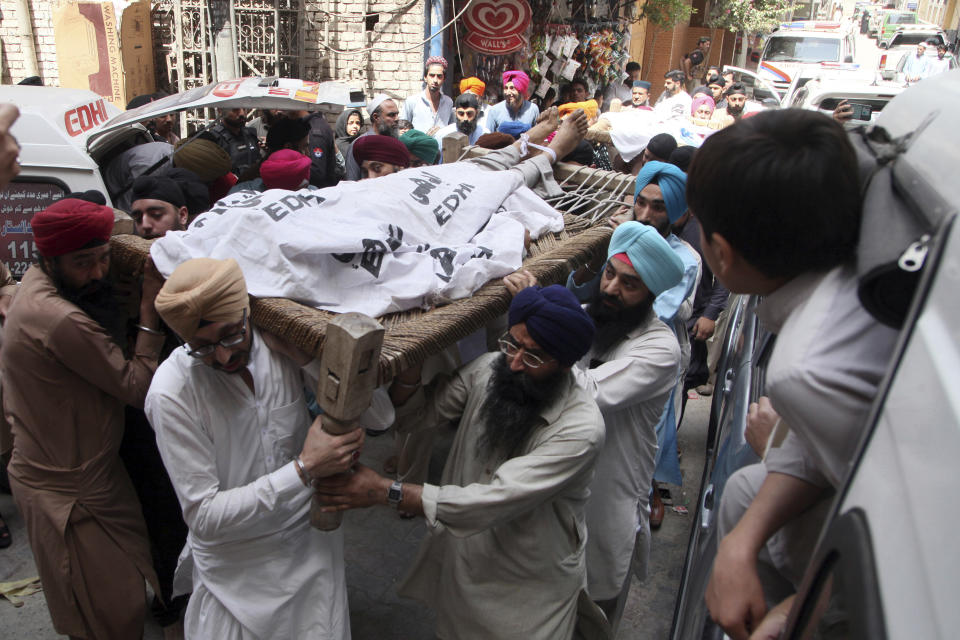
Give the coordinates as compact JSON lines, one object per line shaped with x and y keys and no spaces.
{"x":258,"y":570}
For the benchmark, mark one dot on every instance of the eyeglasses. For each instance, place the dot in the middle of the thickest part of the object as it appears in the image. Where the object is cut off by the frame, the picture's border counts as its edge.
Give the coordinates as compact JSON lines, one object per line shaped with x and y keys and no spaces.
{"x":225,"y":342}
{"x":509,"y":347}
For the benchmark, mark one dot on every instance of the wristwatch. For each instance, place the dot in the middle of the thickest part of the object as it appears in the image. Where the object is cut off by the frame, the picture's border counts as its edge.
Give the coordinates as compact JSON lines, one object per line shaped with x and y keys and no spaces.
{"x":395,"y":494}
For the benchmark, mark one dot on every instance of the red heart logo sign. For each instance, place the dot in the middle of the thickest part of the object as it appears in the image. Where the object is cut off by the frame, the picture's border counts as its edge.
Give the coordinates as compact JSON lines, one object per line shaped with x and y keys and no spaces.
{"x":499,"y":18}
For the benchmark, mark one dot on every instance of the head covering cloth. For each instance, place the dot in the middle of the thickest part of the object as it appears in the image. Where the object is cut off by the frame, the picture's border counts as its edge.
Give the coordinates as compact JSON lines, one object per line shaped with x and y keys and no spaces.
{"x":440,"y":60}
{"x":654,"y":260}
{"x":285,"y":169}
{"x":204,"y":157}
{"x":202,"y":289}
{"x":495,"y":140}
{"x":473,"y":85}
{"x":737,"y":88}
{"x":590,"y":107}
{"x":643,"y":84}
{"x":555,"y":320}
{"x":513,"y":128}
{"x":421,"y":145}
{"x":382,"y":149}
{"x":375,"y":102}
{"x":158,"y":188}
{"x":519,"y":79}
{"x":343,"y":139}
{"x":662,"y":145}
{"x":69,"y":225}
{"x":672,"y":182}
{"x":701,"y":100}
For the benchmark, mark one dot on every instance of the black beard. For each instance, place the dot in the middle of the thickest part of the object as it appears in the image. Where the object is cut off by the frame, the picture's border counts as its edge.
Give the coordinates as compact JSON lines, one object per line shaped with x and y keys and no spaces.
{"x":612,"y":324}
{"x":466,"y":126}
{"x":669,"y":93}
{"x":736,"y":112}
{"x":512,"y":408}
{"x":387,"y":129}
{"x":98,"y":300}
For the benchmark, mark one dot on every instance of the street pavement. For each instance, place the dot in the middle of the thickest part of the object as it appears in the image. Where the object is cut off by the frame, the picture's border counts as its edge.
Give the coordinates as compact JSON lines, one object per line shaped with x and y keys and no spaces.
{"x":380,"y":546}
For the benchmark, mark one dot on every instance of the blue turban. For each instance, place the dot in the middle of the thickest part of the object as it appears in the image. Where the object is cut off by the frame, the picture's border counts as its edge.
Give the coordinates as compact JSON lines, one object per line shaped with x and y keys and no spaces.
{"x":673,"y":183}
{"x":655,"y":261}
{"x":514,"y":128}
{"x":643,"y":84}
{"x":555,"y":320}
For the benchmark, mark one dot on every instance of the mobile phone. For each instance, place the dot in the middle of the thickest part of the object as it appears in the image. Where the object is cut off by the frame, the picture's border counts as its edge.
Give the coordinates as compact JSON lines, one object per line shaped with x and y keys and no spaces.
{"x":861,"y":111}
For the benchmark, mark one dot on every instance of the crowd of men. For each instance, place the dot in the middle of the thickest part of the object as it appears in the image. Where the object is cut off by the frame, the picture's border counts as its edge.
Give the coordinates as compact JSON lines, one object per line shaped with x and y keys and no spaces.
{"x":181,"y":452}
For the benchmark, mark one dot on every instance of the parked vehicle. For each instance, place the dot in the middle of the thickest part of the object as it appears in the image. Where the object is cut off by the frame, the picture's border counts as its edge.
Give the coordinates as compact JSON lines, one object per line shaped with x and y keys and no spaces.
{"x":67,"y":136}
{"x":799,"y":43}
{"x":912,"y":35}
{"x":884,"y":566}
{"x":891,"y":21}
{"x":739,"y":379}
{"x":824,"y":92}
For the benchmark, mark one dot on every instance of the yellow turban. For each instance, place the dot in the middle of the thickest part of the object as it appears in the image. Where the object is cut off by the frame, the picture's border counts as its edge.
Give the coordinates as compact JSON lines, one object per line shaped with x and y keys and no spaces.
{"x":204,"y":157}
{"x":473,"y":85}
{"x":590,"y":107}
{"x":202,"y":289}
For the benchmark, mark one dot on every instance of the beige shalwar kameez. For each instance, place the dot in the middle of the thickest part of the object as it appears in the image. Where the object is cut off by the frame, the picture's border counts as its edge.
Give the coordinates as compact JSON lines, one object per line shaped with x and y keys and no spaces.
{"x":504,"y":558}
{"x":66,"y":384}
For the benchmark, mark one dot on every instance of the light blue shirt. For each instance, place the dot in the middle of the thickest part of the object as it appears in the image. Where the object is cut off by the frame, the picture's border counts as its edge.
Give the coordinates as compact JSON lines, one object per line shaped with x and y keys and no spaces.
{"x":668,"y":303}
{"x":418,"y":110}
{"x":916,"y":66}
{"x":498,"y":114}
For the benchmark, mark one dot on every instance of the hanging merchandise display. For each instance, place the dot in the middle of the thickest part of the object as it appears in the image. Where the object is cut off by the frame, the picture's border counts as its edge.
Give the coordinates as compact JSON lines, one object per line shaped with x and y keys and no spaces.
{"x":555,"y":41}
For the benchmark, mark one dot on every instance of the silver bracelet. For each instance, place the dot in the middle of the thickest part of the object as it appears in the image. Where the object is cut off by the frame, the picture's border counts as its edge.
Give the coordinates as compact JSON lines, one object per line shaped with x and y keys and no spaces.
{"x":302,"y":471}
{"x":152,"y":332}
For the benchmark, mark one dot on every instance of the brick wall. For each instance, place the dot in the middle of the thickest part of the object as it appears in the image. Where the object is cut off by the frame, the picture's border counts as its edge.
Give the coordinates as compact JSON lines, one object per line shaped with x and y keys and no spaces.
{"x":397,"y":70}
{"x":13,"y":56}
{"x":664,"y":50}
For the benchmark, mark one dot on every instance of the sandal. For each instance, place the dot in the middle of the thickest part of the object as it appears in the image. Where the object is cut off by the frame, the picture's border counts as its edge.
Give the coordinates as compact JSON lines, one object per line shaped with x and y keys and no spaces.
{"x":5,"y":539}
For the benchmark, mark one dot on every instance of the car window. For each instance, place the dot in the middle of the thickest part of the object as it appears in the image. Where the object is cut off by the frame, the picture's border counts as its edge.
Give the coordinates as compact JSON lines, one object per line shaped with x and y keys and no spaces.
{"x":841,"y":597}
{"x":802,"y":49}
{"x":876,"y":104}
{"x":902,"y":18}
{"x":913,"y":38}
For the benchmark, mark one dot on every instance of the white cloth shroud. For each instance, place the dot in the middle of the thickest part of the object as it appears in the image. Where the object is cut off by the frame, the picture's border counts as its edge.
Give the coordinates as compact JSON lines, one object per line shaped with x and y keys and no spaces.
{"x":632,"y":129}
{"x":411,"y":239}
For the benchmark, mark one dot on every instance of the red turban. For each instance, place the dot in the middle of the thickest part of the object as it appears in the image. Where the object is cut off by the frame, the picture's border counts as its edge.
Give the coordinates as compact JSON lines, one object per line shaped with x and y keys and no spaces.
{"x":69,"y":225}
{"x":519,"y":79}
{"x":220,"y":187}
{"x":285,"y":169}
{"x":382,"y":149}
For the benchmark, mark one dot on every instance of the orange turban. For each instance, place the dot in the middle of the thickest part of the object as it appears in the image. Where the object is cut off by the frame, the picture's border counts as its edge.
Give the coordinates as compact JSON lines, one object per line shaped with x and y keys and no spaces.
{"x":474,"y":85}
{"x":590,"y":107}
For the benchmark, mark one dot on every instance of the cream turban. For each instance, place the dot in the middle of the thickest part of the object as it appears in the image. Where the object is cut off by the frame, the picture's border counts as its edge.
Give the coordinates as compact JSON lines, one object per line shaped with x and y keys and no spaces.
{"x":202,"y":289}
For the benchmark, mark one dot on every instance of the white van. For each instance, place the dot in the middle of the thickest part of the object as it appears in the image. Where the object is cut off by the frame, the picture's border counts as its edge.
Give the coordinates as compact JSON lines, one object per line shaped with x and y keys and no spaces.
{"x":67,"y":135}
{"x":795,"y":44}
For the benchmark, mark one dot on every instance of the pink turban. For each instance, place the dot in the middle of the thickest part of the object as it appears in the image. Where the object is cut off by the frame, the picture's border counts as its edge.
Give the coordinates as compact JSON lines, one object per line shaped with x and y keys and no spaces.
{"x":699,"y":100}
{"x":285,"y":169}
{"x":519,"y":79}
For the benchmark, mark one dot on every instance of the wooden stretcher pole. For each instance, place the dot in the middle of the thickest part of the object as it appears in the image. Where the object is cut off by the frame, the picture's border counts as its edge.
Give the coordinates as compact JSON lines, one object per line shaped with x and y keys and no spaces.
{"x":348,"y":376}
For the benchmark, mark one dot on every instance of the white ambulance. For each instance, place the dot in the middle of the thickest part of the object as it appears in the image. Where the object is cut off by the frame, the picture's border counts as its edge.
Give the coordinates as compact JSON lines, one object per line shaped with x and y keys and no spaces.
{"x":66,"y":136}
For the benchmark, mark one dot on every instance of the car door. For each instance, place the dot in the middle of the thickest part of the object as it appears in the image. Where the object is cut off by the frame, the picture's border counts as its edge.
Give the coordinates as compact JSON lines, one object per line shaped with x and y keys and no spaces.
{"x":885,"y":566}
{"x":739,"y":379}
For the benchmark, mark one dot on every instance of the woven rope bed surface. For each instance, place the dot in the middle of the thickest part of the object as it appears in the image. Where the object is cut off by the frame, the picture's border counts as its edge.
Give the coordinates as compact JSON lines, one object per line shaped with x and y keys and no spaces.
{"x":411,"y":336}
